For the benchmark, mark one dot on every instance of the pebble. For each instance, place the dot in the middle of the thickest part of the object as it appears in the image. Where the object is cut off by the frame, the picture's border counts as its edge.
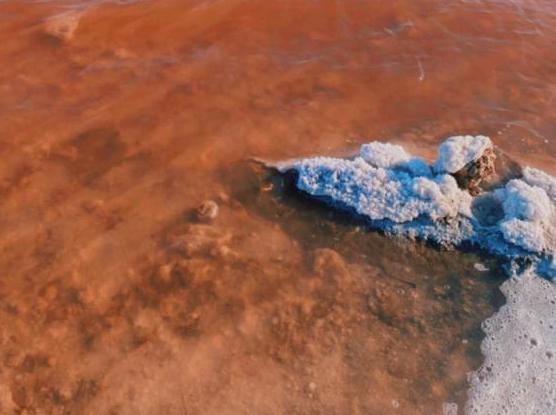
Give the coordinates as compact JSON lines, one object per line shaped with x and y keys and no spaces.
{"x":480,"y":267}
{"x":207,"y":211}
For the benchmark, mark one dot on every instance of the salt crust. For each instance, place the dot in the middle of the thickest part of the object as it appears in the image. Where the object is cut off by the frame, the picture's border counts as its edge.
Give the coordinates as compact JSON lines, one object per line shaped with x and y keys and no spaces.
{"x":457,"y":151}
{"x":518,"y":375}
{"x":539,"y":178}
{"x":400,"y":194}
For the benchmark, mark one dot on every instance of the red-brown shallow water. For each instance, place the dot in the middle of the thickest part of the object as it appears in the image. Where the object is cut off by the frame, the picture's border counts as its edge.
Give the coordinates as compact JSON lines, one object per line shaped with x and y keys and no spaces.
{"x":118,"y":118}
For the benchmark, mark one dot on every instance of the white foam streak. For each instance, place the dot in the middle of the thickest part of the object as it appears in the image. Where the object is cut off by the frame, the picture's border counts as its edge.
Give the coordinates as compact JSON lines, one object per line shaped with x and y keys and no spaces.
{"x":518,"y":376}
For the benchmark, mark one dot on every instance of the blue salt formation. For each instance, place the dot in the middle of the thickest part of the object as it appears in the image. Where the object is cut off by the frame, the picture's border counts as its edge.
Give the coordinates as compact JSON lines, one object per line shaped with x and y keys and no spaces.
{"x":402,"y":195}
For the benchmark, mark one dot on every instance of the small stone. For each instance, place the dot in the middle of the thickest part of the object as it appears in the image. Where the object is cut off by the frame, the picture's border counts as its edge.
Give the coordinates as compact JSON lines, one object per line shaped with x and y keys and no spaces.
{"x":312,"y":386}
{"x":395,"y":404}
{"x":480,"y":267}
{"x":207,"y":211}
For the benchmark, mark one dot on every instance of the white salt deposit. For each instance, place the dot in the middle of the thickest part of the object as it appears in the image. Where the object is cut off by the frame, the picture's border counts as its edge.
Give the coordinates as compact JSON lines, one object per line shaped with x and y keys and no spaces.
{"x":387,"y":156}
{"x":399,"y":194}
{"x":518,"y":375}
{"x":380,"y":193}
{"x":529,"y":220}
{"x":528,"y":235}
{"x":457,"y":151}
{"x":383,"y":155}
{"x":539,"y":178}
{"x":525,"y":202}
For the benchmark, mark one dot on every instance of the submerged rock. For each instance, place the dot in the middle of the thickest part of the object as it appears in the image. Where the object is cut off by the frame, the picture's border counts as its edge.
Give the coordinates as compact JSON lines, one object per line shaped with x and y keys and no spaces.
{"x":63,"y":26}
{"x":207,"y":211}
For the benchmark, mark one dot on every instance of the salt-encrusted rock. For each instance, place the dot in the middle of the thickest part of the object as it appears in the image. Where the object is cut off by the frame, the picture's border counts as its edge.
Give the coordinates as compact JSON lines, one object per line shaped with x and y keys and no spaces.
{"x":475,"y":172}
{"x":458,"y":151}
{"x":470,"y":159}
{"x":401,"y":195}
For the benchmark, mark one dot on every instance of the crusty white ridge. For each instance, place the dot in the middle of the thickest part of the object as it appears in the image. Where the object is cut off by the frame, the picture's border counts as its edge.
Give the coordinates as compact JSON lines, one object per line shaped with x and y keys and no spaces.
{"x":400,"y":194}
{"x":457,"y":151}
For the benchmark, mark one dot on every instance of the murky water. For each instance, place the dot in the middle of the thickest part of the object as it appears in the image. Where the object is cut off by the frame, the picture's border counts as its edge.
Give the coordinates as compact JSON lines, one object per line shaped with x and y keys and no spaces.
{"x":118,"y":118}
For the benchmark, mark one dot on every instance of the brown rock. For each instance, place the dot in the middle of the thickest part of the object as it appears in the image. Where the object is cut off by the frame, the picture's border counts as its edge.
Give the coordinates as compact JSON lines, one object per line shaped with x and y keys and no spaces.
{"x":207,"y":211}
{"x":476,"y":171}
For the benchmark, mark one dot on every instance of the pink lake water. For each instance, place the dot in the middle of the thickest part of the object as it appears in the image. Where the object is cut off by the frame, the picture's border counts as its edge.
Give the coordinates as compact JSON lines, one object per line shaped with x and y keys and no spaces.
{"x":117,"y":119}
